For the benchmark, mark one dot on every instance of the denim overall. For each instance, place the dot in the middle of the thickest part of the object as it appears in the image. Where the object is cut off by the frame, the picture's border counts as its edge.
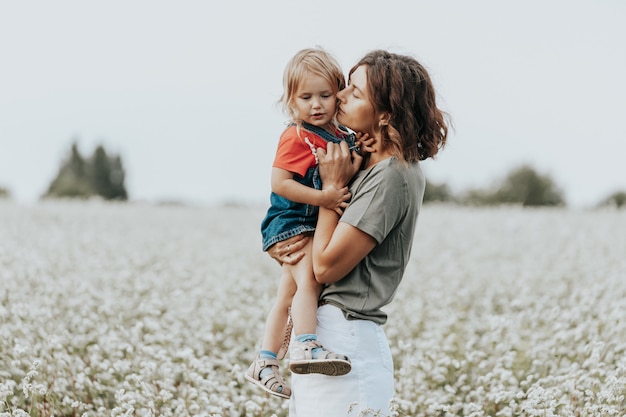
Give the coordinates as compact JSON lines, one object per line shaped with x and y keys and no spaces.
{"x":286,"y":218}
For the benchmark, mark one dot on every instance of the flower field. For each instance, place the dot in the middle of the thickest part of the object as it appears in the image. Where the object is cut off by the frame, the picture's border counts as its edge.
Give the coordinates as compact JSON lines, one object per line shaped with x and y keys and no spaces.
{"x":142,"y":310}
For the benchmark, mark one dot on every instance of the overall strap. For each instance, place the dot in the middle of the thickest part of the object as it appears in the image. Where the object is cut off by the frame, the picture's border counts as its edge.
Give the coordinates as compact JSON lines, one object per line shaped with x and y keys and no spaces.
{"x":328,"y":137}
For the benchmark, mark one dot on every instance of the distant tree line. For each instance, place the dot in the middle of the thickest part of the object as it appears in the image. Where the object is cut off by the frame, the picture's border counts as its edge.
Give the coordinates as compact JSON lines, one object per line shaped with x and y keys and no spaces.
{"x":522,"y":186}
{"x":617,"y":199}
{"x":100,"y":175}
{"x":103,"y":175}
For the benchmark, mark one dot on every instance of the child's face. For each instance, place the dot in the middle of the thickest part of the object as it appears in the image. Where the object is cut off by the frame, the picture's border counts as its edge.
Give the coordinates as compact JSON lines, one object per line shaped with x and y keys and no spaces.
{"x":315,"y":102}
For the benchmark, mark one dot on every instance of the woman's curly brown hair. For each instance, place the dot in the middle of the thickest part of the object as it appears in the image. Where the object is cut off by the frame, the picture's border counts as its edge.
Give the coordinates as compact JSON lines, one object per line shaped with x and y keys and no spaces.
{"x":401,"y":86}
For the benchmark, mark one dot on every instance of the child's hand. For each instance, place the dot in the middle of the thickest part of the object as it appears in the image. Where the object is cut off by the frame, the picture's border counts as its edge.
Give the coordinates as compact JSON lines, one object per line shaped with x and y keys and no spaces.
{"x":334,"y":199}
{"x":365,"y":142}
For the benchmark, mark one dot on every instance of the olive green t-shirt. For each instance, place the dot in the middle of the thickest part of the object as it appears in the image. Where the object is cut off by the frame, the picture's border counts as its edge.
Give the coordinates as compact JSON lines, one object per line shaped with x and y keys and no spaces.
{"x":386,"y":200}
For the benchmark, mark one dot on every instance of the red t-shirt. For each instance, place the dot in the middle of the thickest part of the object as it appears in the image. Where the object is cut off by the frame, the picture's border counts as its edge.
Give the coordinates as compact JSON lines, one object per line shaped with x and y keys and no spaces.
{"x":297,"y":153}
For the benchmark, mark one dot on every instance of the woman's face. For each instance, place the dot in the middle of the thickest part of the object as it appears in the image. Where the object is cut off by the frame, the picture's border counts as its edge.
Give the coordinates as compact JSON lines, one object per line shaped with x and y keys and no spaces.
{"x":355,"y":108}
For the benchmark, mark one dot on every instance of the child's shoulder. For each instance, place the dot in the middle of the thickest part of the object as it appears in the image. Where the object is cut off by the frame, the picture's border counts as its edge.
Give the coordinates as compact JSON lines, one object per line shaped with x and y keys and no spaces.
{"x":295,"y":132}
{"x":290,"y":134}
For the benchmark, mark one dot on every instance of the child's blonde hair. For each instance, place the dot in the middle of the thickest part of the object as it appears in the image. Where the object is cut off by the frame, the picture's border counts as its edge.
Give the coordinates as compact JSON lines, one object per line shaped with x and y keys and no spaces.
{"x":309,"y":60}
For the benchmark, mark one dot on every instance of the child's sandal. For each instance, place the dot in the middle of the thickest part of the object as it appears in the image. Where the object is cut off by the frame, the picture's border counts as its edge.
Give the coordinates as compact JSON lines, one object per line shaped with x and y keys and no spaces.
{"x":326,"y":363}
{"x":272,"y":382}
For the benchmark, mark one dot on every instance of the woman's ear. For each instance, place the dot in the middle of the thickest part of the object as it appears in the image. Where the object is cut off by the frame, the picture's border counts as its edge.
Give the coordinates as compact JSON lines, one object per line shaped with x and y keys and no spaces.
{"x":383,"y":119}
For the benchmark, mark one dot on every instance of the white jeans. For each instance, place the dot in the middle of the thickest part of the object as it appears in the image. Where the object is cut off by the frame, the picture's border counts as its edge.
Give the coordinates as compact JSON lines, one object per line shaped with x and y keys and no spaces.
{"x":368,"y":386}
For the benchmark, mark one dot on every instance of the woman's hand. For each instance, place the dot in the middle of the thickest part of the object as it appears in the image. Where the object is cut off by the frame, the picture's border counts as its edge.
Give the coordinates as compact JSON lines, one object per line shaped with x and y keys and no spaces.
{"x":286,"y":251}
{"x":337,"y":165}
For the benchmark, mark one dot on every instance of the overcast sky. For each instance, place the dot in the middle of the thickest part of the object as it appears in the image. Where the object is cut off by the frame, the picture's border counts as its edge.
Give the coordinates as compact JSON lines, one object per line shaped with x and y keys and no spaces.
{"x":185,"y":91}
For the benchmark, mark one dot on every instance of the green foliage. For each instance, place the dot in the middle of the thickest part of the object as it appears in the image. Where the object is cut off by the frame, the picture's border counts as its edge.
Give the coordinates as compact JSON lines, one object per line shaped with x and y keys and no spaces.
{"x":477,"y":197}
{"x":617,"y":199}
{"x":523,"y":186}
{"x":5,"y":193}
{"x":437,"y":193}
{"x":107,"y":175}
{"x":100,"y":175}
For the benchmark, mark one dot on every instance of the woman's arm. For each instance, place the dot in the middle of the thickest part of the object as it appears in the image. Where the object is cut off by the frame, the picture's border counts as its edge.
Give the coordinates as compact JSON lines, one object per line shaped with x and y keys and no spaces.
{"x":284,"y":185}
{"x":337,"y":247}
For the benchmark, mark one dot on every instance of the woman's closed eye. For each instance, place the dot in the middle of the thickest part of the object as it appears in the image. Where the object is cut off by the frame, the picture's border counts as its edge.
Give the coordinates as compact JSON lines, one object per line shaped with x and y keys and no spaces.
{"x":353,"y":91}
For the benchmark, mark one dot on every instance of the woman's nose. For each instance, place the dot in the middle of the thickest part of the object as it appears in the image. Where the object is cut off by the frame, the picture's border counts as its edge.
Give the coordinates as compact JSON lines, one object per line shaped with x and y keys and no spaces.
{"x":341,"y":96}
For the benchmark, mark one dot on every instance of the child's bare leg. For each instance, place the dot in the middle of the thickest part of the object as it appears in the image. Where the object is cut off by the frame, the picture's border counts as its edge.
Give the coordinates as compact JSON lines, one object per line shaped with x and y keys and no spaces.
{"x":308,"y":355}
{"x":304,"y":305}
{"x":279,"y":314}
{"x":264,"y":371}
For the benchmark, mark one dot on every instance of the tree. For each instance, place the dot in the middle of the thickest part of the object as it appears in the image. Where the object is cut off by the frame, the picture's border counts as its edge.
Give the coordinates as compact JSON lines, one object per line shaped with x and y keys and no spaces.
{"x":522,"y":186}
{"x":107,"y":175}
{"x":5,"y":193}
{"x":100,"y":175}
{"x":617,"y":199}
{"x":117,"y":175}
{"x":437,"y":192}
{"x":71,"y":181}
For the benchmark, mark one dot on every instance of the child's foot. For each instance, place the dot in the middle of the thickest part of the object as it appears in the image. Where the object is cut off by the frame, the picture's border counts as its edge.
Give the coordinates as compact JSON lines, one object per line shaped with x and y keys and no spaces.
{"x":265,"y":374}
{"x":312,"y":358}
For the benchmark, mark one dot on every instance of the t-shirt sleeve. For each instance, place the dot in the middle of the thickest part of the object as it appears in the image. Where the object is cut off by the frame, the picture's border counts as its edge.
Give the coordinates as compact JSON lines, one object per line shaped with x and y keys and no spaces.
{"x":293,"y":154}
{"x":377,"y":204}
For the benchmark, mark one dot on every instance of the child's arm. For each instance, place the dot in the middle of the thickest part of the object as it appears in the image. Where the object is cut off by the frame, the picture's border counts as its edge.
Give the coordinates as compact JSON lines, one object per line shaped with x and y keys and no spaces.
{"x":365,"y":142}
{"x":284,"y":185}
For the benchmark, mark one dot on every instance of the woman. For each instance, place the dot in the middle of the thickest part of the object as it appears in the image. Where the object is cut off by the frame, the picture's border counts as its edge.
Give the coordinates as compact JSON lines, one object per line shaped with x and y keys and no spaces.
{"x":361,"y":256}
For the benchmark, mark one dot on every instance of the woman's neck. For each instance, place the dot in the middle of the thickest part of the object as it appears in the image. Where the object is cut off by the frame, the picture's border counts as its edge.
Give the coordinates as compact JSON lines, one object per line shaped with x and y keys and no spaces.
{"x":376,"y":157}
